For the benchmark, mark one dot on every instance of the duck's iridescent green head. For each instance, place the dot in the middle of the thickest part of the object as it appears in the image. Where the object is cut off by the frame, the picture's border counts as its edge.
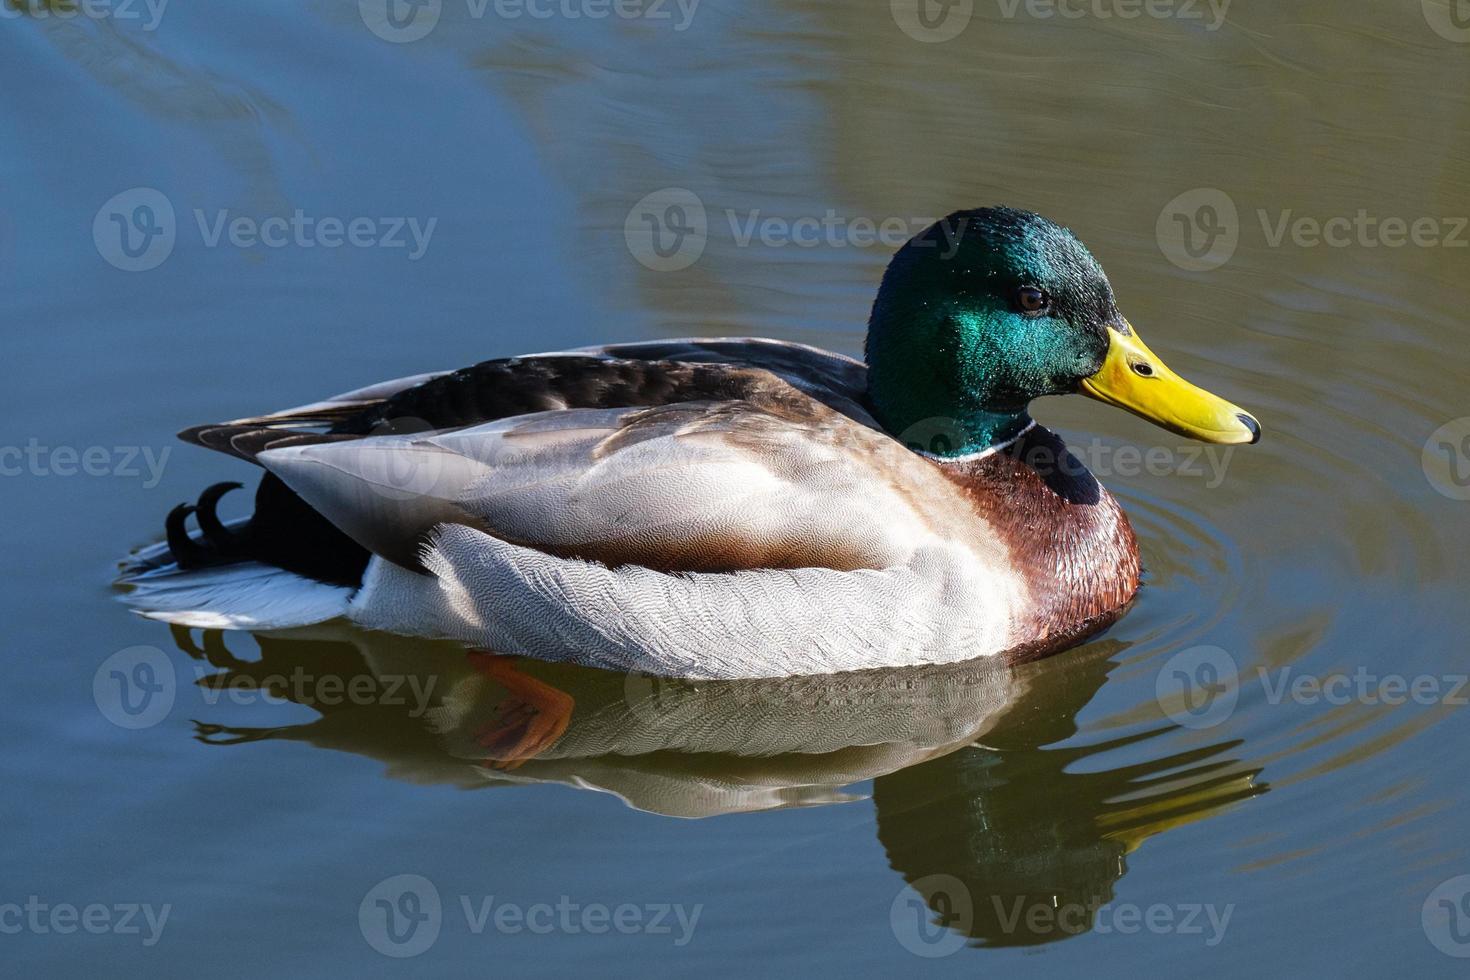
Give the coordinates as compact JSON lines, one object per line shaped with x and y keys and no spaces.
{"x":988,"y":309}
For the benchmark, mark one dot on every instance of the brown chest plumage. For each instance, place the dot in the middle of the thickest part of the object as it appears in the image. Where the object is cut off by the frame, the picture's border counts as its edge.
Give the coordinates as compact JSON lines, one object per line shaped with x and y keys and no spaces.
{"x":1067,"y":536}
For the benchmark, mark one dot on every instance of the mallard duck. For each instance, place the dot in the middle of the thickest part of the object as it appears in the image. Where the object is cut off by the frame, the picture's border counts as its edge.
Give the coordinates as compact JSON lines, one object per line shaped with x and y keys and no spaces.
{"x":717,"y":508}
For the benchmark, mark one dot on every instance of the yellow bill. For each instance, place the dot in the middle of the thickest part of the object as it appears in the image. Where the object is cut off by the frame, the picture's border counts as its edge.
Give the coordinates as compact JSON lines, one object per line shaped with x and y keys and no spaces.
{"x":1133,"y":378}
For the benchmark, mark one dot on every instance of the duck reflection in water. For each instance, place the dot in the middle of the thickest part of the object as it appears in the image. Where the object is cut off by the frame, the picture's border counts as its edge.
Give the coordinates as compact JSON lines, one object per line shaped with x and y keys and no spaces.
{"x":969,"y":797}
{"x":1019,"y":841}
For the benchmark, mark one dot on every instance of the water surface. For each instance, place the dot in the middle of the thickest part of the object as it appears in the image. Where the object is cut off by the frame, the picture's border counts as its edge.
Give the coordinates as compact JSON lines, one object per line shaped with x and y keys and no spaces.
{"x":874,"y":825}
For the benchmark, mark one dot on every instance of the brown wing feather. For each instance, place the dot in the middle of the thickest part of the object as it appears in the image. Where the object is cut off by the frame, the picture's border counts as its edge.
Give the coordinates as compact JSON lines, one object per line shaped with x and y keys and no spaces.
{"x":285,"y":531}
{"x":655,"y":374}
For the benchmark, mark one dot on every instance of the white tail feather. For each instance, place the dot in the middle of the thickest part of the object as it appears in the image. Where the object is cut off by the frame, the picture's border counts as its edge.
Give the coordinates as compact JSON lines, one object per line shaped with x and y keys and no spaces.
{"x":247,"y":596}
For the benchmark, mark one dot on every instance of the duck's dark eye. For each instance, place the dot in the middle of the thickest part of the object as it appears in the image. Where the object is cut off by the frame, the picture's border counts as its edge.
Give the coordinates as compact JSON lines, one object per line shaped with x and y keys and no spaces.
{"x":1032,"y":300}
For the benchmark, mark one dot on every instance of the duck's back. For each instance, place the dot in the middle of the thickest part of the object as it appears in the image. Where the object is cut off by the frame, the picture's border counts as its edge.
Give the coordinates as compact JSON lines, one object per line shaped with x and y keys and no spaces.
{"x":286,"y":532}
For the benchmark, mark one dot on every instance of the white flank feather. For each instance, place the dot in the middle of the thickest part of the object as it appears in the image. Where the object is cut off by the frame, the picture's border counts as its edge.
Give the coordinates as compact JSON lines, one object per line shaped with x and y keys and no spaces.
{"x":941,"y":607}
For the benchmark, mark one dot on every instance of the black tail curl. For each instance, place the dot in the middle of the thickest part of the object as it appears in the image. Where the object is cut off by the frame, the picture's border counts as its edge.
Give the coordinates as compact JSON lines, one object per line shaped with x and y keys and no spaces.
{"x":284,"y":531}
{"x":220,"y":545}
